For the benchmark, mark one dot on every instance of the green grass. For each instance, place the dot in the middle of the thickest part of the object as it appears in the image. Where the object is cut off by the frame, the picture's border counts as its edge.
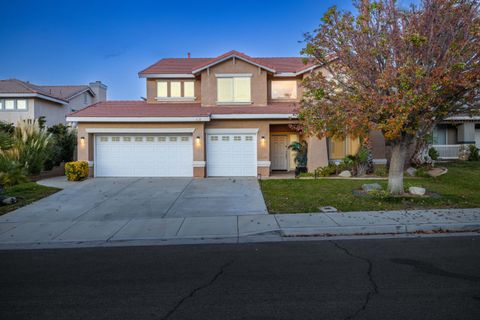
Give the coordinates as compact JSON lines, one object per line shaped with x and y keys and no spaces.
{"x":26,"y":193}
{"x":459,"y":188}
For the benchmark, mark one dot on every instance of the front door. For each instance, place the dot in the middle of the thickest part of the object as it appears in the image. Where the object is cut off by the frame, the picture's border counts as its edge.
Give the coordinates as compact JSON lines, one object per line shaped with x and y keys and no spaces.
{"x":279,"y":152}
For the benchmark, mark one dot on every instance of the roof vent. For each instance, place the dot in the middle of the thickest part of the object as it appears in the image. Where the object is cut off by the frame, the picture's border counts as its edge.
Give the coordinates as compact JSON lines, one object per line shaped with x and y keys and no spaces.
{"x":188,"y":55}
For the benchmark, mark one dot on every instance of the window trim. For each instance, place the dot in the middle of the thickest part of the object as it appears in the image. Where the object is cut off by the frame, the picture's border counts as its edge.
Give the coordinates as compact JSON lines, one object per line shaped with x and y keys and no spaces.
{"x":182,"y":97}
{"x":15,"y":105}
{"x":233,"y":76}
{"x":284,"y":99}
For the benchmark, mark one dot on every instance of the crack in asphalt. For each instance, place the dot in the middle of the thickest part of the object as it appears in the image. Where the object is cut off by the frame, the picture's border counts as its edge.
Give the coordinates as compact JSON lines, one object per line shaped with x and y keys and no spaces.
{"x":374,"y":288}
{"x":195,"y":290}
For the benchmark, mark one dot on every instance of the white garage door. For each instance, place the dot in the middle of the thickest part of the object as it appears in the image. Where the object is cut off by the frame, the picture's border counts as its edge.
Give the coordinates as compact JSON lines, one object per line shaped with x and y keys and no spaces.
{"x":231,"y":155}
{"x":143,"y":156}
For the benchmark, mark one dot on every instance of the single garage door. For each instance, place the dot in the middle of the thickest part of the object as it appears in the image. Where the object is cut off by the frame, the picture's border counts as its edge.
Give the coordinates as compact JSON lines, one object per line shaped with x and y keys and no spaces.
{"x":143,"y":156}
{"x":231,"y":155}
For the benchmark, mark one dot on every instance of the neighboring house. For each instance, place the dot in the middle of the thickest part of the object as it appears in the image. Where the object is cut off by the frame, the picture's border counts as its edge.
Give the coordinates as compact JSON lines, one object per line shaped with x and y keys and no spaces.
{"x":452,"y":133}
{"x":20,"y":100}
{"x":224,"y":116}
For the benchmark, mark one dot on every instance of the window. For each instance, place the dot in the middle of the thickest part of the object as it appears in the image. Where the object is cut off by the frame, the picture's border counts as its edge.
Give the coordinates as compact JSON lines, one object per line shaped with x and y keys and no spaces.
{"x":440,"y":134}
{"x":103,"y":139}
{"x":225,"y":138}
{"x":9,"y":104}
{"x":162,"y":139}
{"x":22,"y":104}
{"x":237,"y":138}
{"x":175,"y":89}
{"x":150,"y":139}
{"x":173,"y":139}
{"x":162,"y":89}
{"x":339,"y":148}
{"x":284,"y":89}
{"x":138,"y":139}
{"x":188,"y":89}
{"x":213,"y":138}
{"x":1,"y":104}
{"x":248,"y":138}
{"x":115,"y":139}
{"x":184,"y":138}
{"x":233,"y":89}
{"x":126,"y":139}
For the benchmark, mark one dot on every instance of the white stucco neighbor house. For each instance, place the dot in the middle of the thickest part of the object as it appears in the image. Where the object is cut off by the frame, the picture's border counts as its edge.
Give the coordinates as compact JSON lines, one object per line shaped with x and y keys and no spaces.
{"x":25,"y":100}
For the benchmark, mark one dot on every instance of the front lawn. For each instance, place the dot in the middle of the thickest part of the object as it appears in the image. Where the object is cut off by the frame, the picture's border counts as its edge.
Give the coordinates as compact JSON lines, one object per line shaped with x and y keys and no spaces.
{"x":26,"y":193}
{"x":459,"y":188}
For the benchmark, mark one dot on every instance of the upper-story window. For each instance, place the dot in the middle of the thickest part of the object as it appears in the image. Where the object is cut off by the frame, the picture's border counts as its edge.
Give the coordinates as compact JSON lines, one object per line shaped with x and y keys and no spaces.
{"x":175,"y":90}
{"x":284,"y":89}
{"x":14,"y":104}
{"x":234,"y":88}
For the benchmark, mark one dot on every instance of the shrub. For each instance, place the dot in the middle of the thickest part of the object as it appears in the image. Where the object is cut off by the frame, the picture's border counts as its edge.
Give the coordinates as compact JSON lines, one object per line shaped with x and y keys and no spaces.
{"x":326,"y":171}
{"x":11,"y":172}
{"x":380,"y":194}
{"x":301,"y":148}
{"x":63,"y":147}
{"x":380,"y":170}
{"x":433,"y":153}
{"x":76,"y":170}
{"x":473,"y":153}
{"x":422,"y":172}
{"x":32,"y":144}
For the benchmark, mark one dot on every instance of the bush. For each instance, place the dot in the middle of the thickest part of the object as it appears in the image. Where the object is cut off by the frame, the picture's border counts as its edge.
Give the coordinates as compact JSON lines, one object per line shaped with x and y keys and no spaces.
{"x":11,"y":172}
{"x":433,"y":153}
{"x":76,"y":170}
{"x":63,"y":147}
{"x":380,"y":170}
{"x":326,"y":171}
{"x":474,"y":155}
{"x":32,"y":144}
{"x":422,"y":172}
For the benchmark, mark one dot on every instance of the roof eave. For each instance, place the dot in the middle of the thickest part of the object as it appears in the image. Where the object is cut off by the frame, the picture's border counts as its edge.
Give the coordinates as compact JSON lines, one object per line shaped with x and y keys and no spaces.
{"x":229,"y":57}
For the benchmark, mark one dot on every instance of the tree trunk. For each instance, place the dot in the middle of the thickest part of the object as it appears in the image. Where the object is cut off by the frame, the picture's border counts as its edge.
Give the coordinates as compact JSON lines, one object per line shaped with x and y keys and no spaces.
{"x":420,"y":156}
{"x":397,"y":162}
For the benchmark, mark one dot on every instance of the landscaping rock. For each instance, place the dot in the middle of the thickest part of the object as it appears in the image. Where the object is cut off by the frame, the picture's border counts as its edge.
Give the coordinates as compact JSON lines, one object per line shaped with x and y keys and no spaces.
{"x":418,"y":191}
{"x":327,"y":209}
{"x":411,"y":171}
{"x":9,"y":200}
{"x":436,"y":172}
{"x":345,"y":174}
{"x":367,"y":187}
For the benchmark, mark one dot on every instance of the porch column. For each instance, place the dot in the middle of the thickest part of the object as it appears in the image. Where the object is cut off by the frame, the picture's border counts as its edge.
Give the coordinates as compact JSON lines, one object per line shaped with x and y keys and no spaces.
{"x":466,"y":133}
{"x":317,"y":153}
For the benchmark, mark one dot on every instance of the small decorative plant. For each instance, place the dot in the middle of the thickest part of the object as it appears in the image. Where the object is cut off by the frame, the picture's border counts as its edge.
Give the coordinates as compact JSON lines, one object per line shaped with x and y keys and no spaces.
{"x":474,"y":153}
{"x":301,"y":148}
{"x":76,"y":170}
{"x":433,"y":153}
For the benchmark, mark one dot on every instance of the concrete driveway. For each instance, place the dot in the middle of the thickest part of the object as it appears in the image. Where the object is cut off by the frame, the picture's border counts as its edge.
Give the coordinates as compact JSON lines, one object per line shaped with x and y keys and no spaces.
{"x":104,"y":199}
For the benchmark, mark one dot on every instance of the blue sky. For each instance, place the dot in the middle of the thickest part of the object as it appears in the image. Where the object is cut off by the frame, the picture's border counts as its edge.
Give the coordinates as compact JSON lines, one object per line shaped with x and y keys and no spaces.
{"x":73,"y":42}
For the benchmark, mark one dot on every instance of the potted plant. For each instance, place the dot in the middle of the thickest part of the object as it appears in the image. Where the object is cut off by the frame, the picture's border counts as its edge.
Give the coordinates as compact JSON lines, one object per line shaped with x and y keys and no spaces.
{"x":301,"y":148}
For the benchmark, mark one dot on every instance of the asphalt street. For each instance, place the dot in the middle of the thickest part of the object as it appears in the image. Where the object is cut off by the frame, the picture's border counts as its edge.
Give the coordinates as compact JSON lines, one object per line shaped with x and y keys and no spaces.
{"x":423,"y":278}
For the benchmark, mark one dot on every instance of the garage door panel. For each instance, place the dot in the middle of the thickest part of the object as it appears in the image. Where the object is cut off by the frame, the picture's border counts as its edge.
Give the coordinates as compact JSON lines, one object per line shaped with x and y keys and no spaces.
{"x":143,"y":156}
{"x":231,"y":155}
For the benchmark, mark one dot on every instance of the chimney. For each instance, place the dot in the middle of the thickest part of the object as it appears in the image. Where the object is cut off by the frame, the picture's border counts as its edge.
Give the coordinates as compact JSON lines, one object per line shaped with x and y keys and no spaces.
{"x":188,"y":55}
{"x":100,"y":91}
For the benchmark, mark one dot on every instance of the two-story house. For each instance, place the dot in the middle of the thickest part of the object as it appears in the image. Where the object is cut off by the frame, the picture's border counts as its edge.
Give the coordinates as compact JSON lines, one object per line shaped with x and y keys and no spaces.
{"x":224,"y":116}
{"x":21,"y":100}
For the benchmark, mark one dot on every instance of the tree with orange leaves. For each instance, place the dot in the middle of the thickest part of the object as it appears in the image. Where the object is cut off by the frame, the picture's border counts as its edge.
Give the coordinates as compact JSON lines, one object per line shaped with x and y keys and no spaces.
{"x":394,"y":70}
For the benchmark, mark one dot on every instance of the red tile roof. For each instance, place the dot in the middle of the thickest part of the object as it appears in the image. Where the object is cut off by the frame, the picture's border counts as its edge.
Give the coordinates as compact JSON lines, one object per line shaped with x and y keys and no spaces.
{"x":144,"y":109}
{"x":188,"y":65}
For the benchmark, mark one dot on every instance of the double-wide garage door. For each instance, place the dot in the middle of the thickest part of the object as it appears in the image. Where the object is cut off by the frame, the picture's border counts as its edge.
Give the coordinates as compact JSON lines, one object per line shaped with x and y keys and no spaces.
{"x":143,"y":156}
{"x":231,"y":154}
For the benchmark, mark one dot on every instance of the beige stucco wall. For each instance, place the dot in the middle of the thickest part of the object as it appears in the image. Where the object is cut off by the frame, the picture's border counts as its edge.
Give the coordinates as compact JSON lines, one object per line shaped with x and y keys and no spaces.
{"x":317,"y":154}
{"x":258,"y":83}
{"x":15,"y":116}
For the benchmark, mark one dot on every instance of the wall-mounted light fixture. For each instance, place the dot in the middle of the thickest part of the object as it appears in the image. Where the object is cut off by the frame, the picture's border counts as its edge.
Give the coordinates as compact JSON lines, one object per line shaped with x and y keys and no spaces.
{"x":263,"y":139}
{"x":198,"y":139}
{"x":82,"y":140}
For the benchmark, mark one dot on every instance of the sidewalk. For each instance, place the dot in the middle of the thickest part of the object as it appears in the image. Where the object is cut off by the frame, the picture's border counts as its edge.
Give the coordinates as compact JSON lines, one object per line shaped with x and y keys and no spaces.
{"x":234,"y":229}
